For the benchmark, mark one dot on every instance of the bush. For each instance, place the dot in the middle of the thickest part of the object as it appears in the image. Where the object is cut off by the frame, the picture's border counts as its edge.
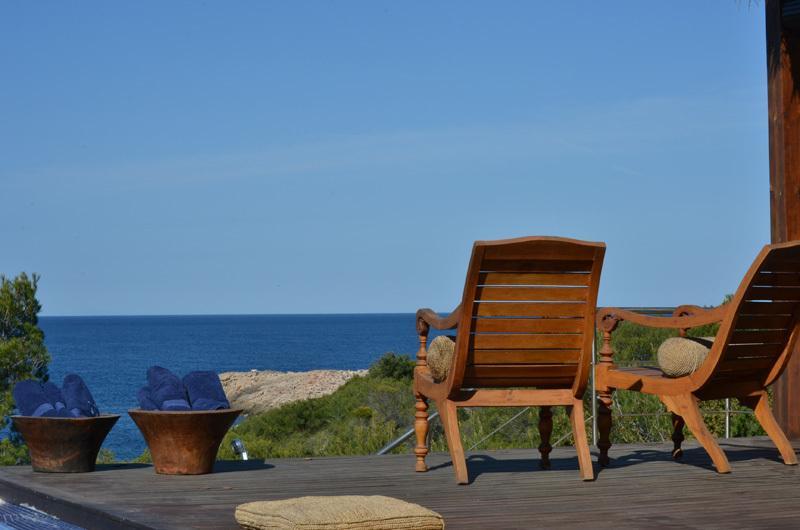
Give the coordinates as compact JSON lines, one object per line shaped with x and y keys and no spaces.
{"x":106,"y":456}
{"x":393,"y":366}
{"x":22,"y":353}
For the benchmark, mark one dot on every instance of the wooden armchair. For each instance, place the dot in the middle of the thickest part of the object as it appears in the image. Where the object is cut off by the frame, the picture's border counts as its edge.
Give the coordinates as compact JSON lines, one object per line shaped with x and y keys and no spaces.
{"x":524,"y":338}
{"x":758,"y":331}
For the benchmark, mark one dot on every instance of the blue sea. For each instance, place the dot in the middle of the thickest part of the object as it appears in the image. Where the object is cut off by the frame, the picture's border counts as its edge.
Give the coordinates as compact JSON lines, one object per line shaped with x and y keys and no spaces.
{"x":112,"y":354}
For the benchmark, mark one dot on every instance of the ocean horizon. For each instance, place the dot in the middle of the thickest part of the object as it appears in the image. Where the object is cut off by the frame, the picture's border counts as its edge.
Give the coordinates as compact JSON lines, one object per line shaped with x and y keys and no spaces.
{"x":112,"y":353}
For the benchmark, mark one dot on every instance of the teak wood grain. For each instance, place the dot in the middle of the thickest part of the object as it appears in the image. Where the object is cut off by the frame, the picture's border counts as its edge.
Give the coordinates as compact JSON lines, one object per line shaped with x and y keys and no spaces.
{"x":524,"y":332}
{"x":541,"y":310}
{"x":749,"y":353}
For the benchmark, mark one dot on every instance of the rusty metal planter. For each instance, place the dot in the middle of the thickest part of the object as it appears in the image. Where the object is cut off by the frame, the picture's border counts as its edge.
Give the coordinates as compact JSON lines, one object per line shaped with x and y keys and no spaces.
{"x":64,"y":445}
{"x":184,"y":442}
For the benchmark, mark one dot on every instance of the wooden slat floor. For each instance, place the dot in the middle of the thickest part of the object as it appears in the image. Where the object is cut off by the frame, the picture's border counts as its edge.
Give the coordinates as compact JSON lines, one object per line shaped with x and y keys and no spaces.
{"x":643,"y":488}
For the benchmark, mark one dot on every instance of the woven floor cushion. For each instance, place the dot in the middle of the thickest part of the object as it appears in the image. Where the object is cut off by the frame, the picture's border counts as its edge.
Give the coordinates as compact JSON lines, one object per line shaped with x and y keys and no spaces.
{"x":679,"y":356}
{"x":440,"y":356}
{"x":343,"y":512}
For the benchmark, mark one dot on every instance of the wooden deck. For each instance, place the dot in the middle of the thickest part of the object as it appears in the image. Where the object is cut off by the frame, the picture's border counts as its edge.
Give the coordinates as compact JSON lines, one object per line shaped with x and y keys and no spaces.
{"x":644,"y":488}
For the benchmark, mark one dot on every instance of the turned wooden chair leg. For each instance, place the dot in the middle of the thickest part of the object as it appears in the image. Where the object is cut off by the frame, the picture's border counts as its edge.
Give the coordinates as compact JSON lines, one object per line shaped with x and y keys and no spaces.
{"x":449,"y":417}
{"x":763,"y":413}
{"x":677,"y":436}
{"x":581,"y":441}
{"x":604,"y":401}
{"x":686,"y":406}
{"x":421,"y":427}
{"x":545,"y":431}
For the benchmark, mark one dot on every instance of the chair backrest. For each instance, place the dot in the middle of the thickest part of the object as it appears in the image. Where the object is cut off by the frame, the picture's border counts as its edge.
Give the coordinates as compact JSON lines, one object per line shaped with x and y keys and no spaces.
{"x":758,"y":334}
{"x":528,"y":314}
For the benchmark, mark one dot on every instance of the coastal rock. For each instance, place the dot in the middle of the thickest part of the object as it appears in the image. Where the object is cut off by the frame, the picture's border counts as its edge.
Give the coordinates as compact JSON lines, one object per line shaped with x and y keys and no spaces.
{"x":257,"y":392}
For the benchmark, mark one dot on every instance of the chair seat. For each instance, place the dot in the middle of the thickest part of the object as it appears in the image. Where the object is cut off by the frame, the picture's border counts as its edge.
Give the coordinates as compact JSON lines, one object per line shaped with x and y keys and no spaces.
{"x":647,"y":379}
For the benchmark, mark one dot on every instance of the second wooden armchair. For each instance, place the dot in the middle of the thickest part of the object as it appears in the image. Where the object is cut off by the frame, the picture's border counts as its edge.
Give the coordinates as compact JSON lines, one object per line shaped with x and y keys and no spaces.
{"x":758,"y":331}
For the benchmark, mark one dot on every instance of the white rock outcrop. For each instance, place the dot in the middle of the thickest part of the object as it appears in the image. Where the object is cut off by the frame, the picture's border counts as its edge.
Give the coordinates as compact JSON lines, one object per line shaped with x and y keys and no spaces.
{"x":257,"y":391}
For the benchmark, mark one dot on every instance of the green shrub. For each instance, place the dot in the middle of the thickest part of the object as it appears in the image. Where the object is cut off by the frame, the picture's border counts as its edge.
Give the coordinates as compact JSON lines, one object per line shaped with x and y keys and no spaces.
{"x":144,"y":458}
{"x":393,"y":366}
{"x":106,"y":456}
{"x":23,"y":354}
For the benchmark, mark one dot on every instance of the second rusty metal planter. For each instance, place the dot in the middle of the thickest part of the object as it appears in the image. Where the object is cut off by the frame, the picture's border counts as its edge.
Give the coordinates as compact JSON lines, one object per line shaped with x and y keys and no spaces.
{"x":184,"y":443}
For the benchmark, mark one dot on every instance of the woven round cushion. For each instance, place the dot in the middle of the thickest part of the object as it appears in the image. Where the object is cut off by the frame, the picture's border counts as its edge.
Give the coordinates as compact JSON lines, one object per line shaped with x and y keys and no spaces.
{"x":440,"y":356}
{"x":338,"y":513}
{"x":679,"y":356}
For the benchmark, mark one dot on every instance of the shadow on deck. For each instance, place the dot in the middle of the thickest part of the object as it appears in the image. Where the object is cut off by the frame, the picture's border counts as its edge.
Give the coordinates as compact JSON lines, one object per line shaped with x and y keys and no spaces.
{"x":643,"y":488}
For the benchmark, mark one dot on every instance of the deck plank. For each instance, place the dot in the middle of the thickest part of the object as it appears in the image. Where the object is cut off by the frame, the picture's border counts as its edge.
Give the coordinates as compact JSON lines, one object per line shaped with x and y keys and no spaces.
{"x":508,"y":490}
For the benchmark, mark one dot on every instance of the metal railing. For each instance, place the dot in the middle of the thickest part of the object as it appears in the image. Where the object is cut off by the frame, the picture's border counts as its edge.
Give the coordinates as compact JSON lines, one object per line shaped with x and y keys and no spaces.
{"x":403,"y":437}
{"x":652,"y":311}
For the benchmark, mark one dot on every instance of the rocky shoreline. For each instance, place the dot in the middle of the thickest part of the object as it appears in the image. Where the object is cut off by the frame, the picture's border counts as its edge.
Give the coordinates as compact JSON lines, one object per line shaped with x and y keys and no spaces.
{"x":259,"y":391}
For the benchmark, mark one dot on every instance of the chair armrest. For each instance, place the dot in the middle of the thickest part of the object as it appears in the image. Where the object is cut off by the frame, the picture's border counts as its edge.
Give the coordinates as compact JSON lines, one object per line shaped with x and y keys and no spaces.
{"x":686,"y":316}
{"x":427,"y":318}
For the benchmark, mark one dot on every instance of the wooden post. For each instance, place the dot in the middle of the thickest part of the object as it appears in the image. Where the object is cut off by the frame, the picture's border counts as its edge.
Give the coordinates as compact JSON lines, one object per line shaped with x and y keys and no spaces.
{"x":606,"y":324}
{"x":783,"y":77}
{"x":421,"y":425}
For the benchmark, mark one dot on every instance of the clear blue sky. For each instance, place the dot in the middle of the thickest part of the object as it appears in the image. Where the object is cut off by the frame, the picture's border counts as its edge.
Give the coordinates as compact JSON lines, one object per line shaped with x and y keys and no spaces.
{"x":314,"y":157}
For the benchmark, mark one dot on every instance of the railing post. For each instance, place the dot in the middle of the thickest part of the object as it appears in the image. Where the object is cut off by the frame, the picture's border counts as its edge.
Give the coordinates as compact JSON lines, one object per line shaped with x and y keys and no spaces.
{"x":727,"y":418}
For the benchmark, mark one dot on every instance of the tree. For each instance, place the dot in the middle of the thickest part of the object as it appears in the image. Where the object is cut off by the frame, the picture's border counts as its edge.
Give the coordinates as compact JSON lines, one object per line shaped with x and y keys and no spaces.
{"x":23,"y":354}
